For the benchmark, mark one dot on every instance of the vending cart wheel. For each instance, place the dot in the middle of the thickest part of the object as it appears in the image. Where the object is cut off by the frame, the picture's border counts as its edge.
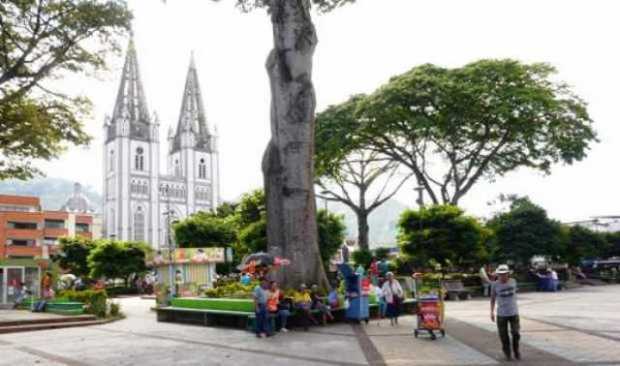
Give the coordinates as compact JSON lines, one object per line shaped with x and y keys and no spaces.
{"x":416,"y":333}
{"x":443,"y":333}
{"x":433,"y":336}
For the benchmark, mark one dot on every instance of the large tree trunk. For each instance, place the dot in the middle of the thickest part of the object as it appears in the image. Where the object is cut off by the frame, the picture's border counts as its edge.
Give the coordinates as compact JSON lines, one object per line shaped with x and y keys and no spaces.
{"x":363,"y":230}
{"x":288,"y":162}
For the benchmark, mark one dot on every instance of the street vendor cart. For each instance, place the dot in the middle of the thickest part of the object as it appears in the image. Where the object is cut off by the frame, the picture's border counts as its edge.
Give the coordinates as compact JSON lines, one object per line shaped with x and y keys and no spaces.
{"x":430,"y":309}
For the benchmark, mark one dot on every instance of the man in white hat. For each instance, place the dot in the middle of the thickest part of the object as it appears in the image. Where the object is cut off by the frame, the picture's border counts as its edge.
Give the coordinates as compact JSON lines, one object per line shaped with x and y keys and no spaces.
{"x":504,"y":294}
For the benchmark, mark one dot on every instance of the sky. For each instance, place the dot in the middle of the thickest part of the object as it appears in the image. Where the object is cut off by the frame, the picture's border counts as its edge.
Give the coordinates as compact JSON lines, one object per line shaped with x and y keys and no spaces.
{"x":360,"y":47}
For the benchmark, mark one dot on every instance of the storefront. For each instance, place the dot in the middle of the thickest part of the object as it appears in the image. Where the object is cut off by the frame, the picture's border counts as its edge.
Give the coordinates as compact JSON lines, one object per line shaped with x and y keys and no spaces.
{"x":15,"y":274}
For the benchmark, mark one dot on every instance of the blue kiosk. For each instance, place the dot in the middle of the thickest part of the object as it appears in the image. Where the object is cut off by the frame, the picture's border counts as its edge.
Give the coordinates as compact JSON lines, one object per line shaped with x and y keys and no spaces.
{"x":358,"y":300}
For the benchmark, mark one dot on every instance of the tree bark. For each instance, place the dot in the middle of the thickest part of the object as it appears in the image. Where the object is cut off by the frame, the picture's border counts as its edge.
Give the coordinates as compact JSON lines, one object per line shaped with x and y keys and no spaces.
{"x":363,"y":230}
{"x":288,"y":161}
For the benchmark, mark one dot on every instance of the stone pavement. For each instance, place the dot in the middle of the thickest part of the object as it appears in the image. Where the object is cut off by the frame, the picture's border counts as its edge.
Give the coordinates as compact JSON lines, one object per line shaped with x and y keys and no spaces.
{"x":577,"y":327}
{"x":25,"y":315}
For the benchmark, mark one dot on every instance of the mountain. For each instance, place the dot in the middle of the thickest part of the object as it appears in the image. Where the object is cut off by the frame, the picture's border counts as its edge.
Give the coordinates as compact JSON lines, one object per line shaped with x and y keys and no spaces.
{"x":53,"y":192}
{"x":382,"y":221}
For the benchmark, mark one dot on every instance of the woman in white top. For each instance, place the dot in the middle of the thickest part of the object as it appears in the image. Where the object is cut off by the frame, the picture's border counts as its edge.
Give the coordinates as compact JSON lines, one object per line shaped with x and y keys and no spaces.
{"x":393,"y":294}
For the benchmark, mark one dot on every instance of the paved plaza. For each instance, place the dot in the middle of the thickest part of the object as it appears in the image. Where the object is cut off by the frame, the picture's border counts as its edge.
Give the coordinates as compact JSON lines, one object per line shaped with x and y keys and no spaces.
{"x":576,"y":327}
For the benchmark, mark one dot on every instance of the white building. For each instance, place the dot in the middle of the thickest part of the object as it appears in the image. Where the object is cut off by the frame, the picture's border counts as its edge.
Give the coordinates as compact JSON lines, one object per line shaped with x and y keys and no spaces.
{"x":137,"y":197}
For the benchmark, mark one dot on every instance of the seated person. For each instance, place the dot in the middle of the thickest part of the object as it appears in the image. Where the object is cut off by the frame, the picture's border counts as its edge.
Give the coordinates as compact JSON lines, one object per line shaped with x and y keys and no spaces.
{"x":303,"y":304}
{"x":318,"y":304}
{"x":278,"y":306}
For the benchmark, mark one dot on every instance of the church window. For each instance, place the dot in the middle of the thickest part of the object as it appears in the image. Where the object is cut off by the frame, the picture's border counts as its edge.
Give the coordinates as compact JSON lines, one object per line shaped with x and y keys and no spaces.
{"x":177,"y":168}
{"x":202,"y":169}
{"x":112,"y":223}
{"x":138,"y":223}
{"x":139,"y":163}
{"x":111,"y":160}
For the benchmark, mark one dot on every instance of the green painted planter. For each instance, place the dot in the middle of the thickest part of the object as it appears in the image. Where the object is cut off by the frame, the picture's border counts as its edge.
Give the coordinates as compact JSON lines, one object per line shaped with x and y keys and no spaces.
{"x":244,"y":305}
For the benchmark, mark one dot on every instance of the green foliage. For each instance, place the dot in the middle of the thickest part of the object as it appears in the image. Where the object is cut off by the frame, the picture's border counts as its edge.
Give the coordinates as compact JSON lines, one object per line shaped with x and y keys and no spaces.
{"x":235,"y":290}
{"x":362,"y":257}
{"x":115,"y":309}
{"x":613,"y":248}
{"x":444,"y":234}
{"x":95,"y":300}
{"x":584,"y":243}
{"x":382,"y":253}
{"x":203,"y":229}
{"x":526,"y":231}
{"x":332,"y":232}
{"x":74,"y":255}
{"x":481,"y":121}
{"x":42,"y":40}
{"x":253,"y":237}
{"x":251,"y":208}
{"x":115,"y":259}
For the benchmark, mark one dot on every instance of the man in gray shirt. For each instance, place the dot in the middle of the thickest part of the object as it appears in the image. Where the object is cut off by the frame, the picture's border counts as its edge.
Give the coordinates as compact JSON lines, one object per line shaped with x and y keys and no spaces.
{"x":504,"y":294}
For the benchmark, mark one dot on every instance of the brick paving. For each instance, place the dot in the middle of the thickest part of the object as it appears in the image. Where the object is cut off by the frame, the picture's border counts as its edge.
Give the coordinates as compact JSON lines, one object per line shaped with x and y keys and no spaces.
{"x":577,"y":327}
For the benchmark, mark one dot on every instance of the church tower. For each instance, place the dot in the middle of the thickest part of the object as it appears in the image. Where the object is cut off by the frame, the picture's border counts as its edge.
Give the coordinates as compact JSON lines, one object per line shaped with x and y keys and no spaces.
{"x":193,"y":156}
{"x":131,"y":162}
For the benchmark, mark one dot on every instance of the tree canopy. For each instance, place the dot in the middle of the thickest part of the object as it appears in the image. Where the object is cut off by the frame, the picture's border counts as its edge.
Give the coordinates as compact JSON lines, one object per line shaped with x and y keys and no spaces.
{"x":117,"y":259}
{"x":454,"y":127}
{"x":40,"y":41}
{"x":443,"y":234}
{"x":203,"y":229}
{"x":73,"y":255}
{"x":526,"y":231}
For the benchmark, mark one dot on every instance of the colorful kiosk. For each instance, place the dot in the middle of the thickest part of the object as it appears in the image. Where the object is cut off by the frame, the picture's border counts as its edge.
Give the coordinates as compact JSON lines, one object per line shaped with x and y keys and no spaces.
{"x":186,"y":270}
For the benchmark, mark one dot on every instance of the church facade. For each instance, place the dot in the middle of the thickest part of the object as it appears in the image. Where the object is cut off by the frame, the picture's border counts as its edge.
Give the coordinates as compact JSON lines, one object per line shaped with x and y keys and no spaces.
{"x":139,"y":200}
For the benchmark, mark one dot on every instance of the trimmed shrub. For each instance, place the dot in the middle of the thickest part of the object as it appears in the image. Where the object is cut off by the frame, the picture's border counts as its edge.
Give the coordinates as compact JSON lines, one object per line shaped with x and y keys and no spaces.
{"x":95,"y":300}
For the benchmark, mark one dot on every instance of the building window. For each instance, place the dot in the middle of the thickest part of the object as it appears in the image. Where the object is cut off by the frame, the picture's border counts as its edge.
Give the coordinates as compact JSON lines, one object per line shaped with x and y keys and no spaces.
{"x":112,"y":223}
{"x":202,"y":169}
{"x":138,"y":223}
{"x":50,"y":241}
{"x":16,"y":208}
{"x":111,"y":160}
{"x":82,"y":228}
{"x":177,"y":168}
{"x":54,"y":224}
{"x":21,"y":225}
{"x":21,"y":242}
{"x":139,"y":163}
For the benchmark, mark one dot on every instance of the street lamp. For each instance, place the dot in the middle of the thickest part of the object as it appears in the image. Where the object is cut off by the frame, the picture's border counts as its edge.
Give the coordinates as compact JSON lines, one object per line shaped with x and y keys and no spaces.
{"x":169,"y":215}
{"x":325,"y":201}
{"x":420,"y":199}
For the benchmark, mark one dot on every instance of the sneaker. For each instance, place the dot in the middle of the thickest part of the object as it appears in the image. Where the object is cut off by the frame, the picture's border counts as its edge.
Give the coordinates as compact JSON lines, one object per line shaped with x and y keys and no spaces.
{"x":518,"y":356}
{"x":284,"y":330}
{"x":263,"y":335}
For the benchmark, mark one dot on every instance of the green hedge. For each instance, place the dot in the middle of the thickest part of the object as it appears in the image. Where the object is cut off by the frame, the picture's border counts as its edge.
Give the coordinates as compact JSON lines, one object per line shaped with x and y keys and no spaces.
{"x":95,"y":300}
{"x":246,"y":305}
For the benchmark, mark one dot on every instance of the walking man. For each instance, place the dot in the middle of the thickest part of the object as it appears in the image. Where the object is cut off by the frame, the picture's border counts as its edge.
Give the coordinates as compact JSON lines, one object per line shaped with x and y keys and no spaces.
{"x":504,"y":294}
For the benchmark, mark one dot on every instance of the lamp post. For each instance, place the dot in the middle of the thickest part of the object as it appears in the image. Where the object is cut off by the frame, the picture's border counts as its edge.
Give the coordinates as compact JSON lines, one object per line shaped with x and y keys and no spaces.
{"x":325,"y":201}
{"x":420,"y":199}
{"x":169,"y":214}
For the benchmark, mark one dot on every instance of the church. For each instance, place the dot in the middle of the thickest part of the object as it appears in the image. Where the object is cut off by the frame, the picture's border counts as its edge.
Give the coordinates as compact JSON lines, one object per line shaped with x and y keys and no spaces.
{"x":139,"y":200}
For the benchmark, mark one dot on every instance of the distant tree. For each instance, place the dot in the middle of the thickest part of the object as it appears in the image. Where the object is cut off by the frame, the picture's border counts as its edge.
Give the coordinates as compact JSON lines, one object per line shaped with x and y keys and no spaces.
{"x":73,"y":255}
{"x":443,"y":234}
{"x":41,"y":40}
{"x":362,"y":257}
{"x":253,"y":237}
{"x":205,"y":230}
{"x":332,"y":232}
{"x":349,"y":173}
{"x":613,"y":249}
{"x":116,"y":259}
{"x":454,"y":127}
{"x":583,"y":243}
{"x":526,"y":231}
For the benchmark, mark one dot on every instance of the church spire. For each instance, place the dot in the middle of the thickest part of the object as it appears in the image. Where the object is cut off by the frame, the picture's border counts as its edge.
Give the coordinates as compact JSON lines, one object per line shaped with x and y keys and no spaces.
{"x":130,"y":100}
{"x":192,"y":117}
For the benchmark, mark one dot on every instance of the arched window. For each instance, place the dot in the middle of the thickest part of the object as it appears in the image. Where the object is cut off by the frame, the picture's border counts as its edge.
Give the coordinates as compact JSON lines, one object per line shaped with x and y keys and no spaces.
{"x":202,"y":169}
{"x":138,"y":225}
{"x":139,"y":163}
{"x":111,"y":167}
